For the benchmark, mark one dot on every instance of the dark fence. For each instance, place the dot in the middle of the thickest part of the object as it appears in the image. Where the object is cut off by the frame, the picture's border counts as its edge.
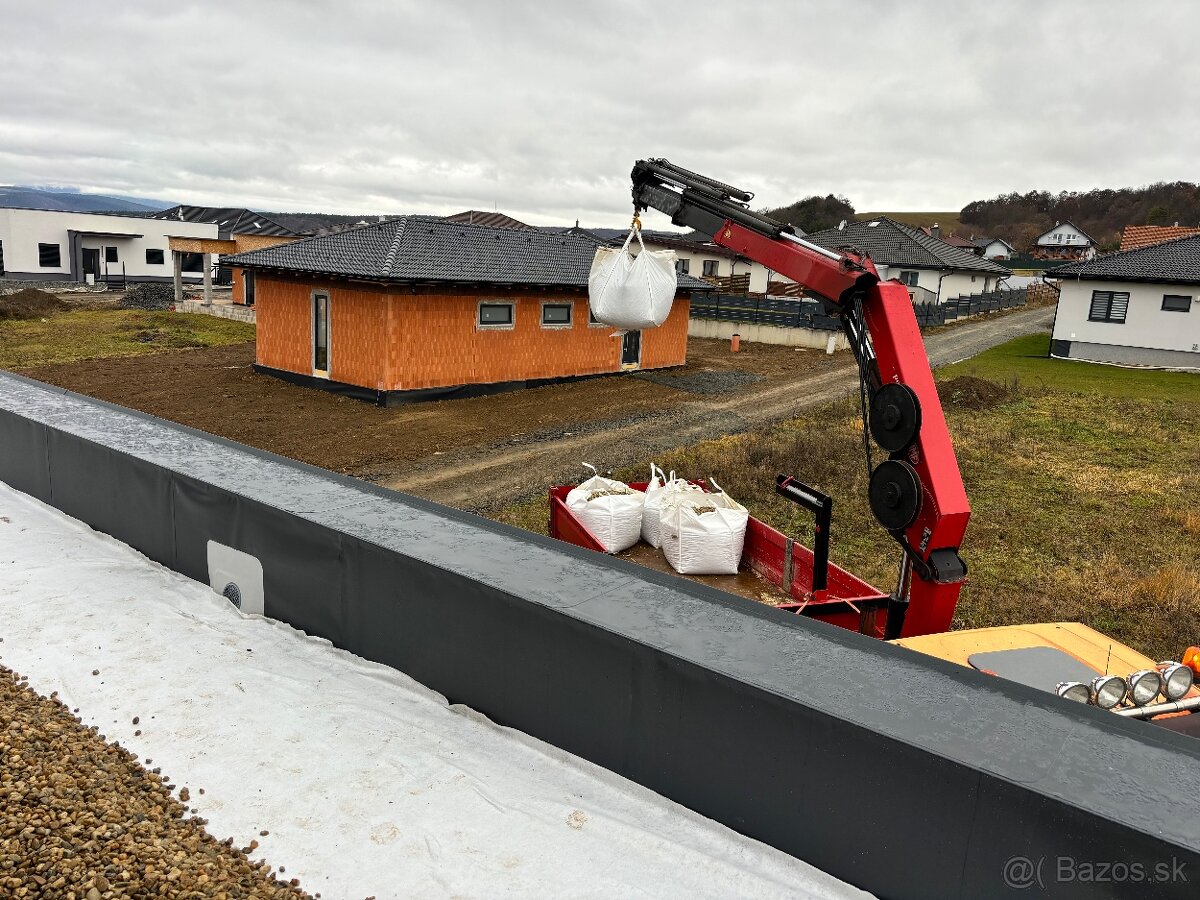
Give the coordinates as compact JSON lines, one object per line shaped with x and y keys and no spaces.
{"x":788,"y":312}
{"x":785,"y":312}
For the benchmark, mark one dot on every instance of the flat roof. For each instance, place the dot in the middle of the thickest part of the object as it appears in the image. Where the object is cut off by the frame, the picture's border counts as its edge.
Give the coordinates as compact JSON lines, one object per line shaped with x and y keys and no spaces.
{"x":354,"y":777}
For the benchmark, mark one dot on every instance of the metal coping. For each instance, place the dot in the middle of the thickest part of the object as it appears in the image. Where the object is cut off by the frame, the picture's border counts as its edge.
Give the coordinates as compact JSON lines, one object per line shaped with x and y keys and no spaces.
{"x":903,"y":774}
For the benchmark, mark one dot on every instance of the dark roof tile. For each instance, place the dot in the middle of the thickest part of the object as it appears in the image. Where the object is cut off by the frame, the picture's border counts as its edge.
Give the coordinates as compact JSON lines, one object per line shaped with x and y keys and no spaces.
{"x":891,"y":243}
{"x":1174,"y":261}
{"x":430,"y":248}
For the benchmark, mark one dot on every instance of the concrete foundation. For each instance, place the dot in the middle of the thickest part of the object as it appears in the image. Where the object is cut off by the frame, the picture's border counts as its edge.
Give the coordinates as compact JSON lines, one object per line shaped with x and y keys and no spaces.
{"x":766,"y":334}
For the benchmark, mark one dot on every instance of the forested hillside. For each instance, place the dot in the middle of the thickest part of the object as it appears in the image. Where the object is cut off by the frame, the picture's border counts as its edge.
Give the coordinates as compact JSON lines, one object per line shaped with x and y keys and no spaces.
{"x":1101,"y":213}
{"x":814,"y":213}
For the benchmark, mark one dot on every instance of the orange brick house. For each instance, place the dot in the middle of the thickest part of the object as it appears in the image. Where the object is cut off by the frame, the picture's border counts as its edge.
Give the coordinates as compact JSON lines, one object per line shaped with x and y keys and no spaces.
{"x":420,"y":306}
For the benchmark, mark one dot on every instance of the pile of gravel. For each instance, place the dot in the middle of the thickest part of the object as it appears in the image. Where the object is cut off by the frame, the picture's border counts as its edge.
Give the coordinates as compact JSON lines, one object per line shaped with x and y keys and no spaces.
{"x":705,"y":381}
{"x":149,"y":295}
{"x":29,"y":304}
{"x":81,"y":818}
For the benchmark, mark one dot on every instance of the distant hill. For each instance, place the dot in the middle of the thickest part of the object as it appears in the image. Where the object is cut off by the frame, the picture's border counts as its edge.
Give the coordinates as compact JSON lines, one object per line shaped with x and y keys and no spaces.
{"x":949,"y":221}
{"x":1101,"y":213}
{"x":815,"y":213}
{"x":71,"y":200}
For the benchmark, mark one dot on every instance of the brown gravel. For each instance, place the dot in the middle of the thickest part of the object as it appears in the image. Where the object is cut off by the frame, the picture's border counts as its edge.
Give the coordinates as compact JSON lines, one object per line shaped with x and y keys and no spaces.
{"x":81,"y":820}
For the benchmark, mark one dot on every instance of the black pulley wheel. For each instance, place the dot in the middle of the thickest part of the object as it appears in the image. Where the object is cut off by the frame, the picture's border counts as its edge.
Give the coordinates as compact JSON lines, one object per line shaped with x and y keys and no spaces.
{"x":895,"y":417}
{"x":895,"y":494}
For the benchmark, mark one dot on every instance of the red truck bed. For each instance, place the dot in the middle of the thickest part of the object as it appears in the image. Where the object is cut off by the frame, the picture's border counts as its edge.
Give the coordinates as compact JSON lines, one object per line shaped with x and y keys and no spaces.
{"x":785,"y":565}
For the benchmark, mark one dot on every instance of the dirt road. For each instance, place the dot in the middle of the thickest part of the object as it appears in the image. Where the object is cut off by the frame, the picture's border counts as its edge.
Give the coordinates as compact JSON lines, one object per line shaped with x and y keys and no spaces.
{"x":489,"y":451}
{"x":478,"y":478}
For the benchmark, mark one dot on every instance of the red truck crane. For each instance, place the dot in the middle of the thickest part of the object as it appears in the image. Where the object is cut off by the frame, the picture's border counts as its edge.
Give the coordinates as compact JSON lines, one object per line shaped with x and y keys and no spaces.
{"x":917,"y":493}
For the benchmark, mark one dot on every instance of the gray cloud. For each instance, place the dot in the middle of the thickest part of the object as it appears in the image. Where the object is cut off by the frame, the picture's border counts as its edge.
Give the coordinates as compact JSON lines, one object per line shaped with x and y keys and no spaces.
{"x":539,"y":109}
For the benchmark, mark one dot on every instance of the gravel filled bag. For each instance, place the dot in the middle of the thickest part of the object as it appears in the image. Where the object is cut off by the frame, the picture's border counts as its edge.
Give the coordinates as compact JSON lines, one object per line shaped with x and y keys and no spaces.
{"x":632,"y":292}
{"x":703,"y":534}
{"x":611,"y":510}
{"x":656,"y":499}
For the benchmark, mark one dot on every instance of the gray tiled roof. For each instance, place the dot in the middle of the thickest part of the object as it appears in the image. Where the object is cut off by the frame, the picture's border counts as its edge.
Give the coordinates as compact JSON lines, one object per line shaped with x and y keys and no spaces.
{"x":229,"y":220}
{"x":1176,"y":261}
{"x":429,"y":248}
{"x":892,"y":244}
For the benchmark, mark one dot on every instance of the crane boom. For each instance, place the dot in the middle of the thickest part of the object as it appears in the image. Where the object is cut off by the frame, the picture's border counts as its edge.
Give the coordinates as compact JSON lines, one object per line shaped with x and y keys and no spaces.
{"x":917,"y":493}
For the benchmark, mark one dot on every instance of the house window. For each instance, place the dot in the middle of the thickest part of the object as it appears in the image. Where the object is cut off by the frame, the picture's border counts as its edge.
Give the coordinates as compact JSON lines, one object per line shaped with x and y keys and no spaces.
{"x":556,"y":315}
{"x":710,"y":267}
{"x":1109,"y":306}
{"x":248,"y":287}
{"x":154,"y":257}
{"x":48,"y":256}
{"x":909,"y":278}
{"x":192,"y":262}
{"x":495,"y":315}
{"x":110,"y":254}
{"x":593,"y":322}
{"x":320,"y":317}
{"x":683,"y":266}
{"x":1176,"y":303}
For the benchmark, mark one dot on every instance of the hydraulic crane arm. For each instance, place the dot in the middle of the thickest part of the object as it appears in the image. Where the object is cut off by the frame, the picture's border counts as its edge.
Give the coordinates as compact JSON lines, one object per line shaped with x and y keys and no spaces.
{"x":917,"y":493}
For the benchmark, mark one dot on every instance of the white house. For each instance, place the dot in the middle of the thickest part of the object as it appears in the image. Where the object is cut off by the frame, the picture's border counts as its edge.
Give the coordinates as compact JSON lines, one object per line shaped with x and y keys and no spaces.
{"x":994,"y":248}
{"x":933,"y":270}
{"x":1134,"y":307}
{"x":695,"y":258}
{"x":1064,"y":241}
{"x":55,"y":245}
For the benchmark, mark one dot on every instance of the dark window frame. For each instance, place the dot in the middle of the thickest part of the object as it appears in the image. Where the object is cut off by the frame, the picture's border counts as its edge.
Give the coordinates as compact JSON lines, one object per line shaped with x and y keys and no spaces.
{"x":553,"y":304}
{"x":1109,"y":306}
{"x":683,"y":266}
{"x":319,"y":371}
{"x":496,"y":304}
{"x":711,"y":268}
{"x":192,"y":263}
{"x":111,"y":255}
{"x":44,"y":251}
{"x":248,"y":287}
{"x":909,"y":277}
{"x":1182,"y":307}
{"x":152,"y":252}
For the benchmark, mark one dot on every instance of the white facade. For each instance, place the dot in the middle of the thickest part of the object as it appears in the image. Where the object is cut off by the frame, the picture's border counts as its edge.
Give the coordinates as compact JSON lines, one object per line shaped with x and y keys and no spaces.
{"x":1148,"y":334}
{"x":996,"y":249}
{"x":90,"y":243}
{"x":1064,"y":235}
{"x":940,"y":283}
{"x":720,"y":264}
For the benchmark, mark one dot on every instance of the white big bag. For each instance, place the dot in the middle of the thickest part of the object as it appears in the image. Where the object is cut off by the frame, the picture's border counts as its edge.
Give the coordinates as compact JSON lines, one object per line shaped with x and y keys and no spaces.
{"x":703,"y":534}
{"x":611,"y":510}
{"x":632,"y":292}
{"x":669,"y":487}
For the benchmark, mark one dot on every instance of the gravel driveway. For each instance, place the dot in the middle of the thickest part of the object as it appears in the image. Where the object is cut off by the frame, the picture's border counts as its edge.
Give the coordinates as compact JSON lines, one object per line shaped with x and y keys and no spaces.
{"x":483,"y":480}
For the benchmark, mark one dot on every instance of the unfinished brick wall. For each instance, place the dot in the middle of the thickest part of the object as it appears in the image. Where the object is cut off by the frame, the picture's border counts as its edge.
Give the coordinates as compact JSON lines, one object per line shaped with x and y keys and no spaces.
{"x":394,"y":339}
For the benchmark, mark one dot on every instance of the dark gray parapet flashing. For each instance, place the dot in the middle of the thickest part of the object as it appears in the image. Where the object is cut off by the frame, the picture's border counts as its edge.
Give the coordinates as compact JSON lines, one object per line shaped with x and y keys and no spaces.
{"x":905,"y":775}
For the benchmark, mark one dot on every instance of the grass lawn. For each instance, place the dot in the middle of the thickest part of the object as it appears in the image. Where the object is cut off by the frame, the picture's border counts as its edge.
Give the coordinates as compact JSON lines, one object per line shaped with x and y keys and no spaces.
{"x":1083,"y":481}
{"x":86,"y":334}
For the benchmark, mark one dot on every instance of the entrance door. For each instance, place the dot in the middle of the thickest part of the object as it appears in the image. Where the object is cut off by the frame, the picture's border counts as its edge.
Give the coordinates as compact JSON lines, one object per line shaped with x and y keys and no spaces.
{"x":631,"y":349}
{"x":91,"y":261}
{"x":320,"y":321}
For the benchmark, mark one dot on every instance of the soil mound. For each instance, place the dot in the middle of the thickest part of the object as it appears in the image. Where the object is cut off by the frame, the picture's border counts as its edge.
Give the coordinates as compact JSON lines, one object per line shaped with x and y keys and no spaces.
{"x":969,"y":392}
{"x":29,"y":304}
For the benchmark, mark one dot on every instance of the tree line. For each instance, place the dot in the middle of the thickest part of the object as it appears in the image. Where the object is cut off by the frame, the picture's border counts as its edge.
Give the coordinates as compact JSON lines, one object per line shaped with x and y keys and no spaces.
{"x":1102,"y":213}
{"x":1020,"y":218}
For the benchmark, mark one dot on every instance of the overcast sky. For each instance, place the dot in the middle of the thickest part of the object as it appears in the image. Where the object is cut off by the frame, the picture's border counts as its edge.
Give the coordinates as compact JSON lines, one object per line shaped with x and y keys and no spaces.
{"x":540,"y":109}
